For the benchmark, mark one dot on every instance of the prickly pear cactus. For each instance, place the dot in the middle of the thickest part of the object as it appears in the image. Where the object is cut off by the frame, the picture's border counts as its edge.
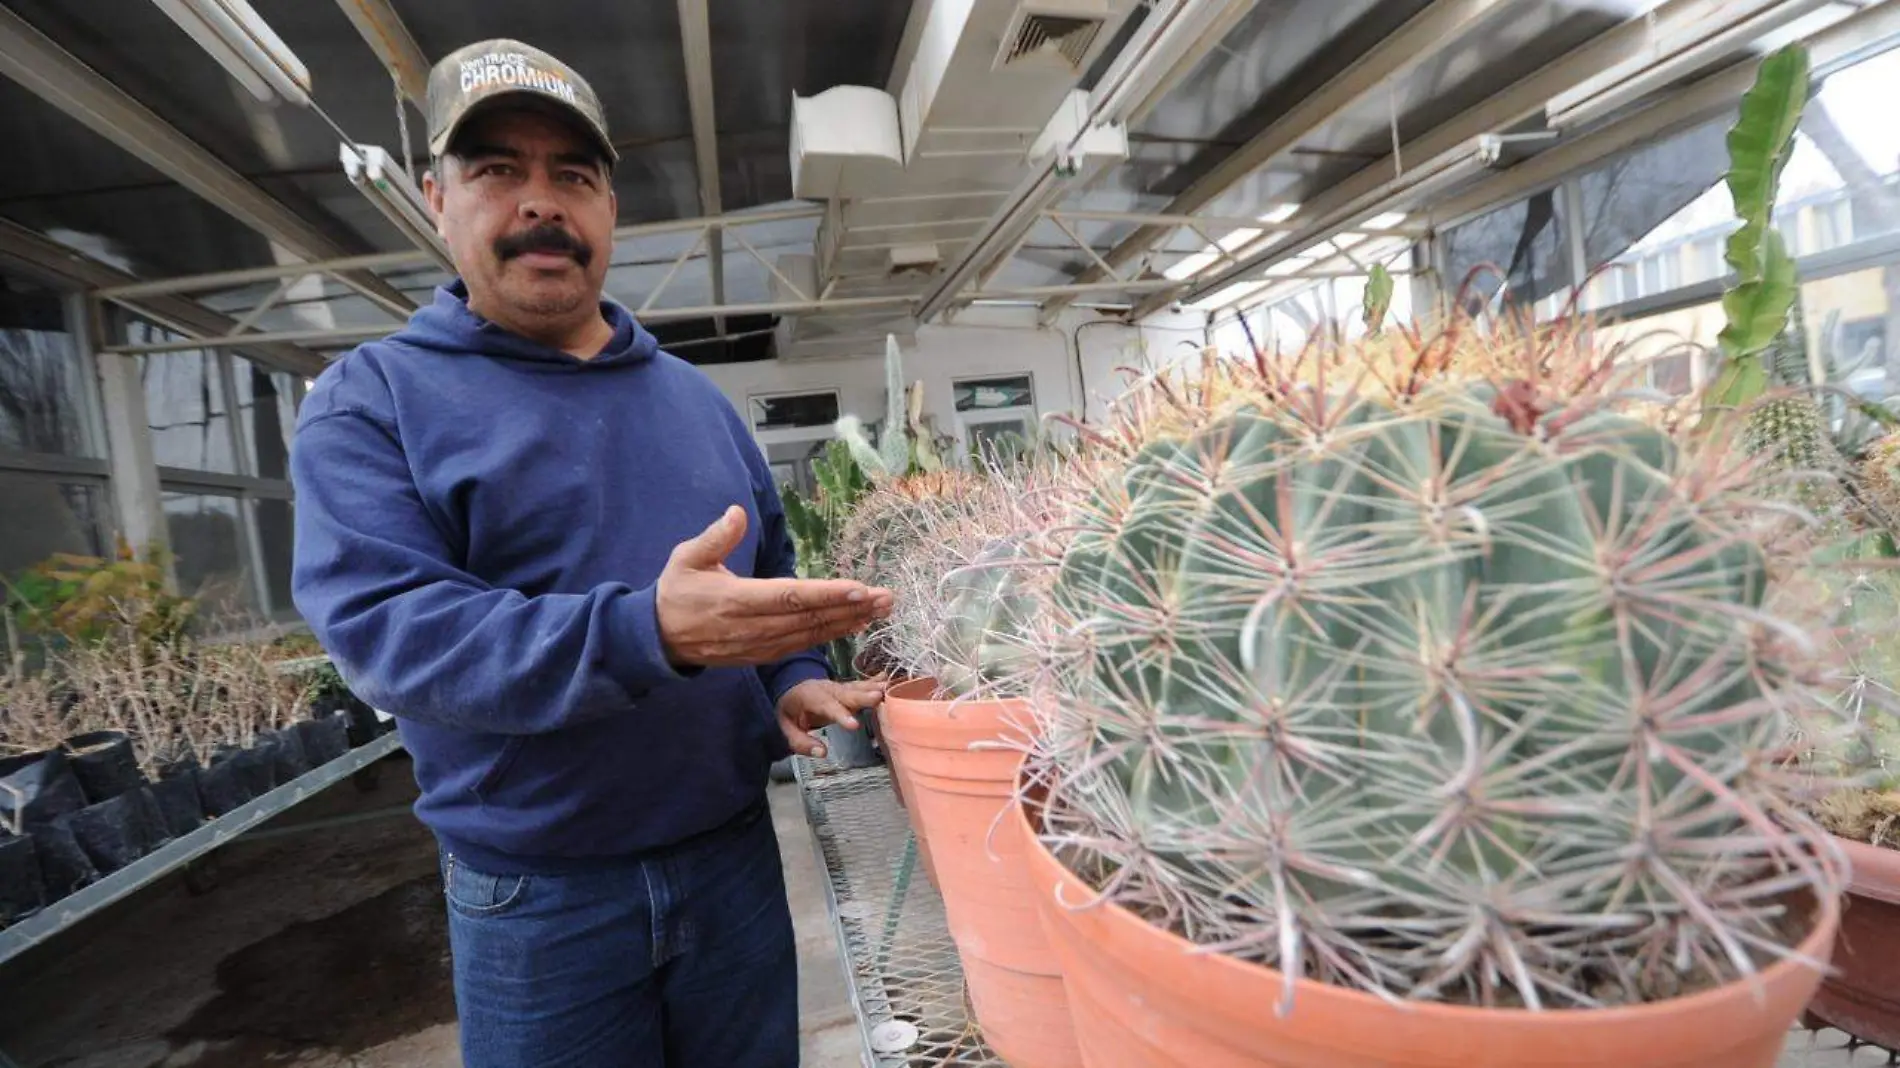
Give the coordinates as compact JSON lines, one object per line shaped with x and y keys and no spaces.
{"x":1457,"y":696}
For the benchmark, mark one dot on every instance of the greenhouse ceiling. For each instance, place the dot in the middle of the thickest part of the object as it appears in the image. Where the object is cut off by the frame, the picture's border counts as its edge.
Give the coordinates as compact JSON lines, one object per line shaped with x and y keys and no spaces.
{"x":1129,"y":156}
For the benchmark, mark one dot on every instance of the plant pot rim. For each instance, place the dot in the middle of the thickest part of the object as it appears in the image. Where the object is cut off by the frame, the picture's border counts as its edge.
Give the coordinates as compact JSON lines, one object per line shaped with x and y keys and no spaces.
{"x":913,"y":714}
{"x":1875,"y":870}
{"x":928,"y":691}
{"x":1816,"y":945}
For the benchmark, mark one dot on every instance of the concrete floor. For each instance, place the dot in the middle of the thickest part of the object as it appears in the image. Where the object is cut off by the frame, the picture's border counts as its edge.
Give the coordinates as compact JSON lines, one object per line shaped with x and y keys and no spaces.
{"x":324,"y":950}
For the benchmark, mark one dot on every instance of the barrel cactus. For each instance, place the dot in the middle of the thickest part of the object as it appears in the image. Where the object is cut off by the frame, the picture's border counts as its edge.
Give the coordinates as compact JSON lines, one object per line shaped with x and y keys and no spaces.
{"x":1454,"y":692}
{"x":983,"y":637}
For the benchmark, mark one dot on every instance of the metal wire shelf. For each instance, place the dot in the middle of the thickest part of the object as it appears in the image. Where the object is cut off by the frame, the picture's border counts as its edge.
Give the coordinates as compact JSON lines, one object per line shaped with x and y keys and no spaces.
{"x":1823,"y":1047}
{"x":906,"y":981}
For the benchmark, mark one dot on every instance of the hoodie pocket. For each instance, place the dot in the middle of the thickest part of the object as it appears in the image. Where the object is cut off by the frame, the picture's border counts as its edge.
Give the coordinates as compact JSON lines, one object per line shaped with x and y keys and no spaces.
{"x":504,"y":760}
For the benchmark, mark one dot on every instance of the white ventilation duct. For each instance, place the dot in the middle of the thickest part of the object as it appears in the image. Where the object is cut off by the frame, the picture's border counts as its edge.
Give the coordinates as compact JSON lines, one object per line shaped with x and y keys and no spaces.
{"x":912,"y":174}
{"x":846,"y":142}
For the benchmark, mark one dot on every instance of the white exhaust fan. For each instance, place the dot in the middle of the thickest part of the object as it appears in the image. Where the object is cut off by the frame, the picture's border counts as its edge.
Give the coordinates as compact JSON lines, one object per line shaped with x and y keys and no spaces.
{"x":245,"y":46}
{"x":1057,"y":35}
{"x":389,"y":188}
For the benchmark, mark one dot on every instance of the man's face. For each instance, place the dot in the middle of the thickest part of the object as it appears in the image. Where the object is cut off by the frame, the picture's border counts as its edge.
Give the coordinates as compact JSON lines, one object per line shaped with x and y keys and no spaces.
{"x":527,"y":209}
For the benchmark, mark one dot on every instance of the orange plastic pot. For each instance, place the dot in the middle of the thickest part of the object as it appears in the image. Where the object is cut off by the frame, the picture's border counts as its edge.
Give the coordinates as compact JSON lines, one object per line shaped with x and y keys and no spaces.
{"x":1862,"y":997}
{"x":959,"y":796}
{"x":1145,"y":998}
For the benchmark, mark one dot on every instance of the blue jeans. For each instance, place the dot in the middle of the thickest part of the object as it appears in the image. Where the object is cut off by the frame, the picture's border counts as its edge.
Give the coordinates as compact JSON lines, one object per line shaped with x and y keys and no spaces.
{"x":680,"y":960}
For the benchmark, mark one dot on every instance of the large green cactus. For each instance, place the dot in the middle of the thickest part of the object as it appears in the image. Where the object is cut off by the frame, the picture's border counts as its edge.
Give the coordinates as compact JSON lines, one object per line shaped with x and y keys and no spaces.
{"x":1442,"y":697}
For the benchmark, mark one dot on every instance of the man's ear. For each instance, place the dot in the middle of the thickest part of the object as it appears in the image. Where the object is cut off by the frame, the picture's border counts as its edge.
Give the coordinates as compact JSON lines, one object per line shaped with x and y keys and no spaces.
{"x":432,"y":195}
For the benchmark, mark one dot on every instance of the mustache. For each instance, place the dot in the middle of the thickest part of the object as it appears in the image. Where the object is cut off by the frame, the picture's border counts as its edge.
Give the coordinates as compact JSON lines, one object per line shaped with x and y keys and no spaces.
{"x":545,"y":238}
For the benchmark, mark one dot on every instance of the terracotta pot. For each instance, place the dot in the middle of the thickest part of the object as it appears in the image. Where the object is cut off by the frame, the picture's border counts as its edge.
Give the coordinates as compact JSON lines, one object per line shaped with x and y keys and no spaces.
{"x":901,"y":787}
{"x":959,"y":796}
{"x":1145,"y":998}
{"x":1862,"y":997}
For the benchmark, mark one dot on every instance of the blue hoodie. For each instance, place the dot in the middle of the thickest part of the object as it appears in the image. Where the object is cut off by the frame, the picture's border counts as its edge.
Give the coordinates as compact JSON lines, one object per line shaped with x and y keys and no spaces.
{"x":480,"y":525}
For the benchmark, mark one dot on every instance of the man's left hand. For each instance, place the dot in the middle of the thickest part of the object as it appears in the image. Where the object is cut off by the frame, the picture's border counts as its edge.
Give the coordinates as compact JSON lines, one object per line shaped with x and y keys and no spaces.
{"x":812,"y":704}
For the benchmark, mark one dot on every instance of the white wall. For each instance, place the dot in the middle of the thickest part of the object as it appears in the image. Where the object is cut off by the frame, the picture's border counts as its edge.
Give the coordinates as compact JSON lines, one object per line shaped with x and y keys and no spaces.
{"x":984,"y":342}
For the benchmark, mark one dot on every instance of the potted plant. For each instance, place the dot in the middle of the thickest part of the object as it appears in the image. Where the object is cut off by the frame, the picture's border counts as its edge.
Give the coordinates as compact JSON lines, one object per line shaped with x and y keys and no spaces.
{"x":1833,"y":454}
{"x":1429,"y":720}
{"x":1862,"y":994}
{"x":967,"y":584}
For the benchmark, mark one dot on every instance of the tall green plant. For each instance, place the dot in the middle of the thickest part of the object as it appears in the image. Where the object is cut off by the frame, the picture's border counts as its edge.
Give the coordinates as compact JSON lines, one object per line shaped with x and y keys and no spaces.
{"x":816,"y":521}
{"x":904,"y":444}
{"x":1758,"y":303}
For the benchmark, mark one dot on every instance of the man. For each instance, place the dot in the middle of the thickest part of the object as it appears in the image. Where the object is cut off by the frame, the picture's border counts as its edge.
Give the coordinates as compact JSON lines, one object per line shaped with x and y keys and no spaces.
{"x":557,"y":556}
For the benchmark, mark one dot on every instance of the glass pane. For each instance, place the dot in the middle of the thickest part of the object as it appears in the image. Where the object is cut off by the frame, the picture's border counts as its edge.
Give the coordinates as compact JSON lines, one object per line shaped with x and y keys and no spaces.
{"x":208,"y":554}
{"x":41,"y":406}
{"x":1668,"y":202}
{"x":266,"y":417}
{"x":978,"y":393}
{"x":1853,"y":323}
{"x":1842,"y":184}
{"x":999,"y":442}
{"x":1678,"y":346}
{"x":184,"y":404}
{"x":275,"y":536}
{"x":44,"y":517}
{"x":794,"y":410}
{"x":1522,"y":242}
{"x":1657,"y":218}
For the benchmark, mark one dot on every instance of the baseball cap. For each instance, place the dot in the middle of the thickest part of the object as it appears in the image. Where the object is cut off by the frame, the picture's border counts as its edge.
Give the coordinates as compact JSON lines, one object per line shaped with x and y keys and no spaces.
{"x":471,"y":78}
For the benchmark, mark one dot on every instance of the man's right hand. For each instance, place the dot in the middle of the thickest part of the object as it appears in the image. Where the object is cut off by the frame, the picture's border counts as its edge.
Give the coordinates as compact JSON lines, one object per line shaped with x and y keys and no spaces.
{"x":710,"y":617}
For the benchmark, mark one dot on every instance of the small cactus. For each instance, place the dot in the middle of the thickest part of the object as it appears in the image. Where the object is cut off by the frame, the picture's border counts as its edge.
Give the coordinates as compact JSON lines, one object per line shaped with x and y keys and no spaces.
{"x":1880,"y":480}
{"x":1790,"y":433}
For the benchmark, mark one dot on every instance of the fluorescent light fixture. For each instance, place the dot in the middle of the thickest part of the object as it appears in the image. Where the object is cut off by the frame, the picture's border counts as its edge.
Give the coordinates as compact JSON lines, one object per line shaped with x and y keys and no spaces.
{"x":1200,"y":261}
{"x":245,"y":46}
{"x":389,"y":188}
{"x":1386,"y":221}
{"x":1229,"y":296}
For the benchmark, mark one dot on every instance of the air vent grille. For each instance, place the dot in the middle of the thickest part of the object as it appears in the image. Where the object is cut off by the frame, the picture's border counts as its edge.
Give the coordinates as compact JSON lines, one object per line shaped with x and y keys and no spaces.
{"x":1042,"y":37}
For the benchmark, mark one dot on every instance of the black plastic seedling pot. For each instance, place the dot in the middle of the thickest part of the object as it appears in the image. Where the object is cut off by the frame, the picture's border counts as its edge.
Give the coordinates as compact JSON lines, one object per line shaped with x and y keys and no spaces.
{"x":104,"y":764}
{"x":177,"y":794}
{"x":21,"y":892}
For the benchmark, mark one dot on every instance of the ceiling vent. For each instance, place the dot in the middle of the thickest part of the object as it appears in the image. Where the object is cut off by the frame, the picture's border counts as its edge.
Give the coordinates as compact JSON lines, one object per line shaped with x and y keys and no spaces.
{"x":1059,"y":36}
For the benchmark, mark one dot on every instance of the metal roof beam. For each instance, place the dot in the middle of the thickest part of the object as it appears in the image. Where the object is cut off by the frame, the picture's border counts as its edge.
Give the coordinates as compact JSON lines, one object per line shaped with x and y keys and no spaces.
{"x":696,"y":44}
{"x":1421,"y":36}
{"x":384,"y":32}
{"x":35,"y":254}
{"x":56,"y":76}
{"x":1147,"y":66}
{"x":1837,"y":46}
{"x":200,"y":283}
{"x":1447,"y":147}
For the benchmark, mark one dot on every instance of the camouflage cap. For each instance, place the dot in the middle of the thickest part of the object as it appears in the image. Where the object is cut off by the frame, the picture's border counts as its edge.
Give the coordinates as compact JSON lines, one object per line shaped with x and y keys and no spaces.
{"x":468,"y":79}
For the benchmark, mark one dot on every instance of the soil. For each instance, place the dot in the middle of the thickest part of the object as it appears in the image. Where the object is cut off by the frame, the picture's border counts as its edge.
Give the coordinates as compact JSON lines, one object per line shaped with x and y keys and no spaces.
{"x":282,"y":995}
{"x":1864,"y":816}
